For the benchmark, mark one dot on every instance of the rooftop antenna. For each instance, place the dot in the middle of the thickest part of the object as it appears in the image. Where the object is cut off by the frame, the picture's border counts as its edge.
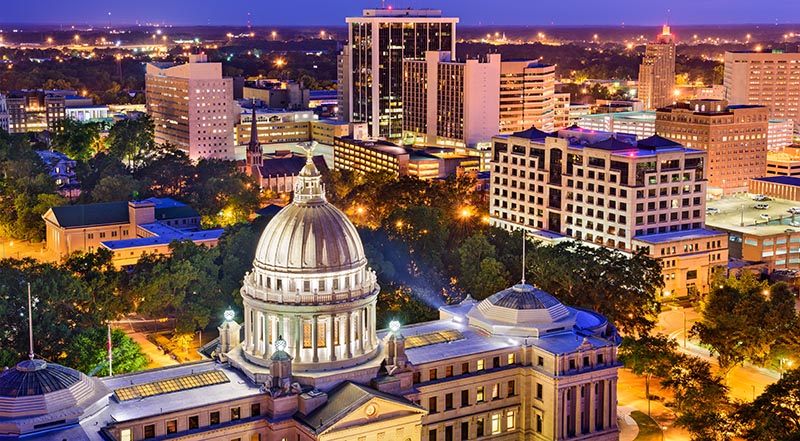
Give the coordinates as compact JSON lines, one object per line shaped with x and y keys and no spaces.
{"x":524,"y":234}
{"x":30,"y":323}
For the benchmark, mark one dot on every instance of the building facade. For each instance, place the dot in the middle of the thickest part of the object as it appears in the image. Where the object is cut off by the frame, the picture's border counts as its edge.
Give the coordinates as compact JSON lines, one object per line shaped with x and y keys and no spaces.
{"x":378,"y":42}
{"x":3,"y":113}
{"x":274,"y":126}
{"x":192,"y":107}
{"x":642,"y":124}
{"x":527,"y":99}
{"x":784,"y":163}
{"x":657,"y":72}
{"x":735,"y":138}
{"x":451,"y":103}
{"x":314,"y":366}
{"x":780,"y":134}
{"x":605,"y":189}
{"x":769,"y":79}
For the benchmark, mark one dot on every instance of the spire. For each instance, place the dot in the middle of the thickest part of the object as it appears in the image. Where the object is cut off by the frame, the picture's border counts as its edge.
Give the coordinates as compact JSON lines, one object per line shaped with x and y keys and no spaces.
{"x":254,"y":155}
{"x":253,"y":130}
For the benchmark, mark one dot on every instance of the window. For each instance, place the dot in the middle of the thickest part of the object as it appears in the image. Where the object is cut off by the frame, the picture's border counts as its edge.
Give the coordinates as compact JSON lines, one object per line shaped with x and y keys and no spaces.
{"x":194,"y":422}
{"x":448,"y":401}
{"x":538,"y":424}
{"x":213,"y":418}
{"x":90,"y":236}
{"x":540,"y":361}
{"x":255,"y":437}
{"x":448,"y":371}
{"x":586,"y":361}
{"x":690,"y":275}
{"x":509,"y":420}
{"x":149,"y":431}
{"x":432,"y":435}
{"x":496,"y":391}
{"x":464,"y":368}
{"x":172,"y":426}
{"x":416,"y":377}
{"x":432,"y":374}
{"x":599,"y":358}
{"x":125,"y":435}
{"x":464,"y":431}
{"x":512,"y":358}
{"x":480,"y":395}
{"x":496,"y":362}
{"x":512,"y":388}
{"x":432,"y":404}
{"x":572,"y":363}
{"x":479,"y":427}
{"x":448,"y":433}
{"x":480,"y":365}
{"x":496,"y":423}
{"x":306,"y":335}
{"x":539,"y":391}
{"x":236,"y":413}
{"x":255,"y":409}
{"x":464,"y":398}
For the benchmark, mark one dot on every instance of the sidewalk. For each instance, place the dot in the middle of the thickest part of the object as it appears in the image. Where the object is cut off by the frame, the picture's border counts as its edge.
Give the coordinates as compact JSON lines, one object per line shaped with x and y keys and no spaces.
{"x":631,"y":396}
{"x":156,"y":356}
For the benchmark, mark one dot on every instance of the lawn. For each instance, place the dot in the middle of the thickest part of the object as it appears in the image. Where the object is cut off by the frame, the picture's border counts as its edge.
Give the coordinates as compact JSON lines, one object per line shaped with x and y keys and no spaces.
{"x":648,"y":429}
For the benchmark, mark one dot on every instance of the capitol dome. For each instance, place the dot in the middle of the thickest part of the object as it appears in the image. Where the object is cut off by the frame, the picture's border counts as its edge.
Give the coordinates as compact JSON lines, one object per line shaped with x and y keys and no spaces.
{"x":310,"y":285}
{"x":35,"y":393}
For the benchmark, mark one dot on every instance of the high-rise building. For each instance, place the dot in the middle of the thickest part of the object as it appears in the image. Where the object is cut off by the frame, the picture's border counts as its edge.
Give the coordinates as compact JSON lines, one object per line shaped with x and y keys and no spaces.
{"x":769,"y":79}
{"x":446,"y":102}
{"x":36,"y":110}
{"x":779,"y":134}
{"x":561,"y":103}
{"x":378,"y":42}
{"x":315,"y":365}
{"x":657,"y":71}
{"x":610,"y":190}
{"x":734,"y":136}
{"x":526,"y":96}
{"x":192,"y":107}
{"x":3,"y":113}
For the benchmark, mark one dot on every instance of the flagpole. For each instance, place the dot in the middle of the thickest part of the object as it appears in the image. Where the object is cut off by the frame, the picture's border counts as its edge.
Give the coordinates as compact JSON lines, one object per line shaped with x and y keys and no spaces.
{"x":30,"y":323}
{"x":110,"y":372}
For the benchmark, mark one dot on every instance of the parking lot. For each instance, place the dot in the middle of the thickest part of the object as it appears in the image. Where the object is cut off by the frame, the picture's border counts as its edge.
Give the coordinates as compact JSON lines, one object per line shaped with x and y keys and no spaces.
{"x":739,"y":213}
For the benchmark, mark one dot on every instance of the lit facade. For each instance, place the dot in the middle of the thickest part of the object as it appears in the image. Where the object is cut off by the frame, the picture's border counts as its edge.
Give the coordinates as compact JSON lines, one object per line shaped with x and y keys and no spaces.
{"x":769,"y":79}
{"x":642,"y":124}
{"x":657,"y":72}
{"x":605,"y":189}
{"x":192,"y":107}
{"x":372,"y":64}
{"x":275,"y":126}
{"x":561,"y":105}
{"x":3,"y":113}
{"x":314,"y":366}
{"x":780,"y":134}
{"x":735,"y":138}
{"x":446,"y":102}
{"x":784,"y":163}
{"x":527,"y":99}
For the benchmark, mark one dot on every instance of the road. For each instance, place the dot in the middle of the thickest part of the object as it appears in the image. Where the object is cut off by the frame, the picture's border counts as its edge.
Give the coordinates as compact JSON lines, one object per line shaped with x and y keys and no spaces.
{"x":745,"y":382}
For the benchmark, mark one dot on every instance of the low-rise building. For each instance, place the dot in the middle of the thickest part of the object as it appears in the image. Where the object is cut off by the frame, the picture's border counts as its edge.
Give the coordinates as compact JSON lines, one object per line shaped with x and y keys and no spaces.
{"x":274,"y":126}
{"x":325,"y":130}
{"x":129,"y":229}
{"x":62,"y":169}
{"x":780,"y":134}
{"x":642,"y":123}
{"x":785,"y":162}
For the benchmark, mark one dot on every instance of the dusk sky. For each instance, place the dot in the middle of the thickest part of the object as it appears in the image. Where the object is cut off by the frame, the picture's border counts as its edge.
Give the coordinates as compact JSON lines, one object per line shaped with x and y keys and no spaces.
{"x":332,"y":12}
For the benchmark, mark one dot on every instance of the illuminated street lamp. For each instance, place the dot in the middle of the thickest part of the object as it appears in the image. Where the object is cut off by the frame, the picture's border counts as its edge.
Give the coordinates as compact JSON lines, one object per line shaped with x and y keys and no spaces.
{"x":274,"y":34}
{"x":280,"y":62}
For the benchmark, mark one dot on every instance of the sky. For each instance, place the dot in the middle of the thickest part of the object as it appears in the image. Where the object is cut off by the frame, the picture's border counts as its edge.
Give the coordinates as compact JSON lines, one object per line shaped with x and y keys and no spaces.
{"x":332,"y":12}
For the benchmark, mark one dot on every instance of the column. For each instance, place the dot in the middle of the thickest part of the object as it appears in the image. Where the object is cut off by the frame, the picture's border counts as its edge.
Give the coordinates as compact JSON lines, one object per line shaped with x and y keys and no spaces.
{"x":592,"y":406}
{"x":332,"y":345}
{"x":298,"y":339}
{"x":360,"y":327}
{"x":280,"y":327}
{"x":562,"y":424}
{"x":612,"y":402}
{"x":348,"y":336}
{"x":314,"y":345}
{"x":374,"y":326}
{"x":248,"y":335}
{"x":576,"y":400}
{"x":259,"y":334}
{"x":267,"y":334}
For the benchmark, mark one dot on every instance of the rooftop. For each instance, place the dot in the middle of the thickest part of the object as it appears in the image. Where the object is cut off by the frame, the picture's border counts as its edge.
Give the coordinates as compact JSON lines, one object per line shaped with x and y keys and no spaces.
{"x":698,"y":233}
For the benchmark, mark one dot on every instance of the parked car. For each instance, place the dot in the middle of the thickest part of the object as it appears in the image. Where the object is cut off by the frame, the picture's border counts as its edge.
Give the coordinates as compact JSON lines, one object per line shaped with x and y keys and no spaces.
{"x":761,"y":206}
{"x":764,"y":216}
{"x":759,"y":197}
{"x":712,"y":210}
{"x":795,"y":224}
{"x":794,"y":210}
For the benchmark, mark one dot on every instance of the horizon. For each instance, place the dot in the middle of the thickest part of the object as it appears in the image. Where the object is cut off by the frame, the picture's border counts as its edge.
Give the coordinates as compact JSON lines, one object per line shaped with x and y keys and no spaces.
{"x":470,"y":13}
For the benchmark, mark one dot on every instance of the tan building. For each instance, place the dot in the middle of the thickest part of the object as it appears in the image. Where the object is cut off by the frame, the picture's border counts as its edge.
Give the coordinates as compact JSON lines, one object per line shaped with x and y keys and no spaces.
{"x":451,"y":103}
{"x":275,"y":126}
{"x":657,"y":72}
{"x":783,"y":163}
{"x":561,"y":105}
{"x":735,"y":138}
{"x":769,"y":79}
{"x":527,"y":99}
{"x":605,"y":189}
{"x":128,"y":229}
{"x":192,"y":107}
{"x":326,"y":130}
{"x":313,"y":365}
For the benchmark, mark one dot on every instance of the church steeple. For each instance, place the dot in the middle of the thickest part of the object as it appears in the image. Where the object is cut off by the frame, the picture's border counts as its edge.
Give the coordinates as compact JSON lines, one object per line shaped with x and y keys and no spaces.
{"x":254,"y":153}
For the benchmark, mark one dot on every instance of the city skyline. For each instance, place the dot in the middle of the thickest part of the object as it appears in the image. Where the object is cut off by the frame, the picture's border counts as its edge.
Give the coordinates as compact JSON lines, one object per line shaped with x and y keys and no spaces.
{"x":471,"y":12}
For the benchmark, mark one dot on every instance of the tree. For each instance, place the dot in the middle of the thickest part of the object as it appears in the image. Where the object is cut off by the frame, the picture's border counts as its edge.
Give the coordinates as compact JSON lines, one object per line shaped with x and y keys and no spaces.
{"x":115,"y":188}
{"x":472,"y":252}
{"x":648,"y":355}
{"x":89,"y":353}
{"x":491,"y":278}
{"x":76,"y":139}
{"x":775,"y":414}
{"x":133,"y":141}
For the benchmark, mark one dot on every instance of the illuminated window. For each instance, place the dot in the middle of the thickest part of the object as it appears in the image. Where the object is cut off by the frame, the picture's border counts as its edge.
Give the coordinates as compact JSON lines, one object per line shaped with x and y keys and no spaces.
{"x":512,"y":358}
{"x":306,"y":335}
{"x":496,"y":423}
{"x":510,"y":420}
{"x":481,"y":394}
{"x":480,"y":365}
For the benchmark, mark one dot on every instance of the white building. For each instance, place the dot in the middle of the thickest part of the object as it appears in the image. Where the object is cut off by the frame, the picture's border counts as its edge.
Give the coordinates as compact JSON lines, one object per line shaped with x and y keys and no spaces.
{"x":446,"y":102}
{"x":779,"y":134}
{"x":642,"y":124}
{"x":192,"y":107}
{"x":657,"y":72}
{"x":313,"y":365}
{"x":527,"y":100}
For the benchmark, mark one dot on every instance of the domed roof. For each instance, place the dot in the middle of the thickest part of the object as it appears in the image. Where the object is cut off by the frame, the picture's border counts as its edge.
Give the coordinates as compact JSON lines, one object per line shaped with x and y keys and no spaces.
{"x":310,"y":235}
{"x":523,"y":307}
{"x":36,"y":377}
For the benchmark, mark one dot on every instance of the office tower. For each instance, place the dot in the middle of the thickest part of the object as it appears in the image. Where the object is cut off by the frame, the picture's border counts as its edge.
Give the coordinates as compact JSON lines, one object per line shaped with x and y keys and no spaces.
{"x":657,"y":72}
{"x":192,"y":107}
{"x":55,"y":105}
{"x":526,"y":96}
{"x":452,"y":103}
{"x":3,"y":113}
{"x":378,"y":42}
{"x":734,"y":136}
{"x":609,"y":190}
{"x":561,"y":103}
{"x":769,"y":79}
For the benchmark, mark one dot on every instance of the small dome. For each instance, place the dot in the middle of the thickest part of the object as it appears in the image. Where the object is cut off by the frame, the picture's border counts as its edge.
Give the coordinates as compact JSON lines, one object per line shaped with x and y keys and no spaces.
{"x":523,"y":297}
{"x":36,"y":377}
{"x":521,"y":309}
